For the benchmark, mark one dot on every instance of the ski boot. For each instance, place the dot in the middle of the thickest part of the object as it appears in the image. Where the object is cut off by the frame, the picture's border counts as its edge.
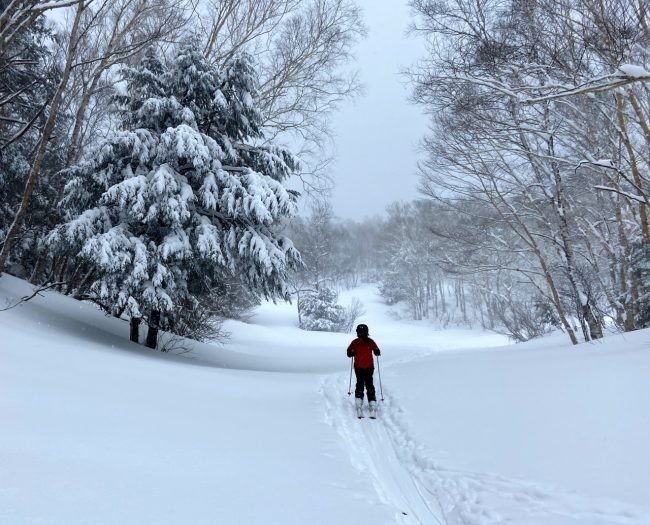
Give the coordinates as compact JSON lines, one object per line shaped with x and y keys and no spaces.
{"x":358,"y":403}
{"x":373,"y":409}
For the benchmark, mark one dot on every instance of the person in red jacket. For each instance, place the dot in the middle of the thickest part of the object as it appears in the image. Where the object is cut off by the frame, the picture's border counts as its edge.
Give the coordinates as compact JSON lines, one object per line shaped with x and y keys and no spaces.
{"x":361,"y":349}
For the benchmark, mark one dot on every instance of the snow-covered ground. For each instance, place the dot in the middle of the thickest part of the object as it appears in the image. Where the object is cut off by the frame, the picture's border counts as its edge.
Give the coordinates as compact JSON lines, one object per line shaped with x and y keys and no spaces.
{"x":97,"y":430}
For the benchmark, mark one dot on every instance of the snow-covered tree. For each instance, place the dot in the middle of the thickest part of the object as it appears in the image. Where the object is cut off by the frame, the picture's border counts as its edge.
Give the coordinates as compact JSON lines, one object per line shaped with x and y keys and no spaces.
{"x":54,"y":107}
{"x":28,"y":77}
{"x":540,"y":112}
{"x":319,"y":311}
{"x":187,"y":193}
{"x":407,"y":251}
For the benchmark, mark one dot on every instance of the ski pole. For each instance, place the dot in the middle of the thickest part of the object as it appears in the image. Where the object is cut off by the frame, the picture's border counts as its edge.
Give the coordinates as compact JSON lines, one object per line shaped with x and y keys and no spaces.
{"x":350,"y":386}
{"x":381,"y":390}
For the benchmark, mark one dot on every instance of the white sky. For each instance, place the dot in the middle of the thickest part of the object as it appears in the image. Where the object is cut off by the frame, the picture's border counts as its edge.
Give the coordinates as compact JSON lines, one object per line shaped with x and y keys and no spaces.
{"x":377,"y":135}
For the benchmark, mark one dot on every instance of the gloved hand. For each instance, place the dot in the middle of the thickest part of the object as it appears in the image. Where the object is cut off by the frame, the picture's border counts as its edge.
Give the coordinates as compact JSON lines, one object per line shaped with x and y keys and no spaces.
{"x":377,"y":351}
{"x":350,"y":353}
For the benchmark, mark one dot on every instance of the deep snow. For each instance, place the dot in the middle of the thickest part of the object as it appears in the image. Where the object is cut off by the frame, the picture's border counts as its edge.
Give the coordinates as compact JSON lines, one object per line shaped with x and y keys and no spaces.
{"x":98,"y":430}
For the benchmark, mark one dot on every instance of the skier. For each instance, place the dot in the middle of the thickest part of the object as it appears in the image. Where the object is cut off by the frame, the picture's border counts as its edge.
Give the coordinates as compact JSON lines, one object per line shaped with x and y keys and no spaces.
{"x":361,"y":349}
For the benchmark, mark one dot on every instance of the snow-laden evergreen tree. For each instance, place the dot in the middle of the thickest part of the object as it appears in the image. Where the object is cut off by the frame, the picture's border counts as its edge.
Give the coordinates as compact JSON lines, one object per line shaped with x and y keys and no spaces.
{"x":319,"y":311}
{"x":187,"y":193}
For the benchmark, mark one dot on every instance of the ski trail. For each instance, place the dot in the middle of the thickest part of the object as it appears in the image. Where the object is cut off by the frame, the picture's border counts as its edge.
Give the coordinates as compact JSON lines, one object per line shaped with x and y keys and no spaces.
{"x":369,"y":445}
{"x":422,"y":492}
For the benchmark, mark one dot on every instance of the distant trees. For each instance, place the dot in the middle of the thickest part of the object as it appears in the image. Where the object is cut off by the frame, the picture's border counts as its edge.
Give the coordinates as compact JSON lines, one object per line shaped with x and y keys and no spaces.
{"x":325,"y":248}
{"x":328,"y":256}
{"x":408,"y":255}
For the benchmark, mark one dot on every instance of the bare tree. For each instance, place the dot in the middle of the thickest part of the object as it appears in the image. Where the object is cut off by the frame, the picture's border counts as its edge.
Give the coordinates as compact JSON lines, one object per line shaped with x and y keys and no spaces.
{"x":235,"y":25}
{"x":540,"y":110}
{"x":304,"y":49}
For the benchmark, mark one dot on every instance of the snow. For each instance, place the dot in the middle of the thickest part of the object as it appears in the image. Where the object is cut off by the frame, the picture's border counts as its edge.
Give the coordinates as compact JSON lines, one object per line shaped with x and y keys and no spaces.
{"x":98,"y":430}
{"x":634,"y":71}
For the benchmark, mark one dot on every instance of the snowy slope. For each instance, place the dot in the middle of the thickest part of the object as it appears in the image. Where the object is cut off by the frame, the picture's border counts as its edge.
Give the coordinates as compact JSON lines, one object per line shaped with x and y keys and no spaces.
{"x":98,"y":430}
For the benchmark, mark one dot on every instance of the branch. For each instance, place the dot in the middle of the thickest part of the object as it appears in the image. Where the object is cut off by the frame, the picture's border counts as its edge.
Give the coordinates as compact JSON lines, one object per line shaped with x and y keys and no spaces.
{"x":36,"y":292}
{"x":626,"y":75}
{"x":24,"y":129}
{"x":598,"y":85}
{"x":636,"y":198}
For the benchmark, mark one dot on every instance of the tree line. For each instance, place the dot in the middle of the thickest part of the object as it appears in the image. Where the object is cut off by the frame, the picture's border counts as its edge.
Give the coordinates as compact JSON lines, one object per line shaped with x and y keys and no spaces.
{"x":402,"y":255}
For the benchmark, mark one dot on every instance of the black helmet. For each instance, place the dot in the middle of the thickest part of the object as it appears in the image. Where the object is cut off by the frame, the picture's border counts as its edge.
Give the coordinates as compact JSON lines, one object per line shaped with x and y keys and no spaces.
{"x":362,"y":328}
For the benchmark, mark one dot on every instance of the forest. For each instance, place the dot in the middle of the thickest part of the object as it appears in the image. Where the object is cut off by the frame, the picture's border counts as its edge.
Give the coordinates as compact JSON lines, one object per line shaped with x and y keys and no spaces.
{"x":155,"y":156}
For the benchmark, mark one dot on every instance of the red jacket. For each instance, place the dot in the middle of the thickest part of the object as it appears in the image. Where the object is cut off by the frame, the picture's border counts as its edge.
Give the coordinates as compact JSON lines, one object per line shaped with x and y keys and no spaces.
{"x":362,"y":352}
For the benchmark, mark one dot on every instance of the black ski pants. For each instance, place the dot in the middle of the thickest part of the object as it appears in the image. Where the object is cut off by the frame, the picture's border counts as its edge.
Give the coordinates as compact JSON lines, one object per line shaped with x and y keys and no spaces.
{"x":364,"y":378}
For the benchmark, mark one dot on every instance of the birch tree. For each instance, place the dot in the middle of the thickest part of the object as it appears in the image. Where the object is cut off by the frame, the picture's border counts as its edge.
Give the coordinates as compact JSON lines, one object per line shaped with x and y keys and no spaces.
{"x":18,"y":15}
{"x":515,"y":84}
{"x":304,"y":50}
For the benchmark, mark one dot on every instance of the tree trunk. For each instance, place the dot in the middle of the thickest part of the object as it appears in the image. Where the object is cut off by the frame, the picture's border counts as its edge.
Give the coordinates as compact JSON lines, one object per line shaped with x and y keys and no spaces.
{"x":152,"y":333}
{"x":595,"y":326}
{"x":555,"y":296}
{"x":638,"y":181}
{"x":463,"y":301}
{"x":134,"y":333}
{"x":435,"y":299}
{"x":562,"y":210}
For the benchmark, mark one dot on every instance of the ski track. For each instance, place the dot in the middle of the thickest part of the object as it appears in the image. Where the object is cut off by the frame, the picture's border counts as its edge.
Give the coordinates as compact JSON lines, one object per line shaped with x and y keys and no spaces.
{"x":422,"y":492}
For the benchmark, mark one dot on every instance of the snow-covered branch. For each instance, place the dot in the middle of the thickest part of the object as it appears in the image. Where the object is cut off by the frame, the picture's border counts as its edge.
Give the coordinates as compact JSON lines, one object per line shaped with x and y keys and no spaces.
{"x":521,"y":93}
{"x":19,"y":14}
{"x":631,"y":196}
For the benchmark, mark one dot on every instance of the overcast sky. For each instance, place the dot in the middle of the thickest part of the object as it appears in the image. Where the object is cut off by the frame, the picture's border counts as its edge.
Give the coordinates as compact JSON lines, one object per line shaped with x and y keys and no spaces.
{"x":377,"y":135}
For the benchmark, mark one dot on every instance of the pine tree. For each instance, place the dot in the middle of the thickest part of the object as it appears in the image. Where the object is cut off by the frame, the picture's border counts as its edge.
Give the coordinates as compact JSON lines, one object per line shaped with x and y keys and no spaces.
{"x":320,"y":311}
{"x":187,"y":193}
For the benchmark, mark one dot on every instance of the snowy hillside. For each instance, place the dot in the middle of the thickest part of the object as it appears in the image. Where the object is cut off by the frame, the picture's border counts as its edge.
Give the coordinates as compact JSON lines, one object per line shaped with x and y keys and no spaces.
{"x":98,"y":430}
